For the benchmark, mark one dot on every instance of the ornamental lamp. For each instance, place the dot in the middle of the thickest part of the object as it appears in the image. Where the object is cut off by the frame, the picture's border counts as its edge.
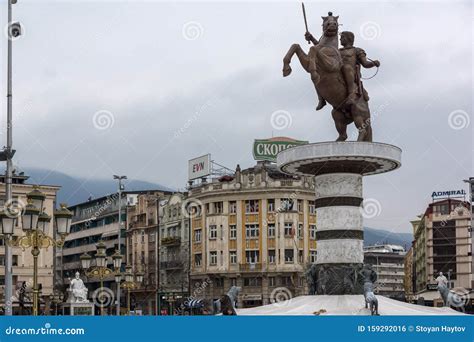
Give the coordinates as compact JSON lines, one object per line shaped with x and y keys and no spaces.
{"x":117,"y":260}
{"x":139,"y":277}
{"x":43,"y":222}
{"x":101,"y":257}
{"x":63,"y":218}
{"x":36,"y":197}
{"x":7,"y":223}
{"x":85,"y":261}
{"x":29,"y":220}
{"x":128,"y":274}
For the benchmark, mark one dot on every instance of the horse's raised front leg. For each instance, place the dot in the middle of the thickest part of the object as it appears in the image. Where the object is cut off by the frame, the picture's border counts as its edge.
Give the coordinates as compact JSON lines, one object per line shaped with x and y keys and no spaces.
{"x":302,"y":56}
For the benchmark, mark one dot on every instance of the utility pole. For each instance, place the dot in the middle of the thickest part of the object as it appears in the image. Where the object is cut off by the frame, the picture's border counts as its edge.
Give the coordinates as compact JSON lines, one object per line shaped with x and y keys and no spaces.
{"x":119,"y":245}
{"x":14,"y":31}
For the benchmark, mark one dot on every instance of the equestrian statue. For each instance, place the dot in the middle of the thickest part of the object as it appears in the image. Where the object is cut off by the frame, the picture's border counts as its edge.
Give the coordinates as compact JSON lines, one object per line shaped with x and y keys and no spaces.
{"x":335,"y":73}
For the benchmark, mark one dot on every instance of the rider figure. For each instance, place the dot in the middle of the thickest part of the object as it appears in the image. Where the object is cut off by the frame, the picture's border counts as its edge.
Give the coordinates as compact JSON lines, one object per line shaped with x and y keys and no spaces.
{"x":352,"y":58}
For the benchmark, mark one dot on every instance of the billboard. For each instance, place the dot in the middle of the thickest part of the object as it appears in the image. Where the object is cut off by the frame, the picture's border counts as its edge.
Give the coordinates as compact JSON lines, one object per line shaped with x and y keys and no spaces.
{"x":199,"y":167}
{"x":267,"y":149}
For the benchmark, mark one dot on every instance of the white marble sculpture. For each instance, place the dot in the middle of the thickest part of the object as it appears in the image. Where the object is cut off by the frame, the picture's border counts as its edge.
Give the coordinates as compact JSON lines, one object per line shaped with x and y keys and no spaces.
{"x":78,"y":290}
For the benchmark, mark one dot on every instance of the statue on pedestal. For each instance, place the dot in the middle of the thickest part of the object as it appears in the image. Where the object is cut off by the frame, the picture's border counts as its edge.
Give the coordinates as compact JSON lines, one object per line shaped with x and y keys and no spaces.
{"x":336,"y":76}
{"x":369,"y":277}
{"x":78,"y":290}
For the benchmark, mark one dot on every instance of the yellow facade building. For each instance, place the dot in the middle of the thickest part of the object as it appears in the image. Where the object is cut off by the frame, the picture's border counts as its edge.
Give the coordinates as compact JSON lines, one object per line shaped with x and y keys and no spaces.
{"x":255,"y":229}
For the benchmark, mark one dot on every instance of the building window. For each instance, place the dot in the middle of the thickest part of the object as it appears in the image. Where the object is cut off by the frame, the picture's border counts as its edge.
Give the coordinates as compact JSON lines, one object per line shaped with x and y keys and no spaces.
{"x":288,"y":229}
{"x":233,"y":281}
{"x":252,"y":281}
{"x":218,"y":282}
{"x":251,"y":230}
{"x":232,"y":207}
{"x":312,"y":207}
{"x":300,"y":256}
{"x":271,"y":256}
{"x":271,"y":230}
{"x":289,"y":255}
{"x":300,"y":230}
{"x":251,"y":206}
{"x":233,"y":232}
{"x":197,"y":260}
{"x":312,"y":256}
{"x":212,"y":232}
{"x":287,"y":204}
{"x":142,"y":236}
{"x":218,"y":208}
{"x":252,"y":257}
{"x":151,"y":237}
{"x":312,"y":231}
{"x":271,"y":205}
{"x":197,"y":235}
{"x":300,"y":205}
{"x":271,"y":281}
{"x":213,"y":258}
{"x":233,"y":257}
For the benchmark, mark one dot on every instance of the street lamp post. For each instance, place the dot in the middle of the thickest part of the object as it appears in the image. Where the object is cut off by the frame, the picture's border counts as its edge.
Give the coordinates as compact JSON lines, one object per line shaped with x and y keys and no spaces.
{"x":35,"y":224}
{"x":119,"y":249}
{"x":130,"y":283}
{"x":14,"y":31}
{"x":101,"y":270}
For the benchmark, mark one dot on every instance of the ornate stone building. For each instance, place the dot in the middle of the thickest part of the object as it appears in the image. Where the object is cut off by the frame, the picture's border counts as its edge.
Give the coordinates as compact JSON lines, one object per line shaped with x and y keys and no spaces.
{"x":158,"y":245}
{"x":255,"y":229}
{"x":22,"y":260}
{"x":174,"y":257}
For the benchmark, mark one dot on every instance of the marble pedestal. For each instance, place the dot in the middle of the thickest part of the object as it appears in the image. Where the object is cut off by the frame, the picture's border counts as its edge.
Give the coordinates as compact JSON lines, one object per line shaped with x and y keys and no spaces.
{"x":78,"y":309}
{"x":338,"y":168}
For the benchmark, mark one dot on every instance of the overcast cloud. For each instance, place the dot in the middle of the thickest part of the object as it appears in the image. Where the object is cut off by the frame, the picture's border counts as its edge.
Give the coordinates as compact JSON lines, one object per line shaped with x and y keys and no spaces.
{"x":184,"y":79}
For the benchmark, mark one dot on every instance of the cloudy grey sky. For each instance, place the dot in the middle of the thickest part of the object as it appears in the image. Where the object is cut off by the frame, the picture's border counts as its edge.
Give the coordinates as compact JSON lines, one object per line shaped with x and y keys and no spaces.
{"x":140,"y":87}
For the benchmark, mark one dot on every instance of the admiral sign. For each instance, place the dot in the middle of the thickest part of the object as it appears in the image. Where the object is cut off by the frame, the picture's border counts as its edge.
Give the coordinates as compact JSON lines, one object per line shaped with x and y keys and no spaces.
{"x":450,"y":193}
{"x":267,"y":149}
{"x":199,"y":167}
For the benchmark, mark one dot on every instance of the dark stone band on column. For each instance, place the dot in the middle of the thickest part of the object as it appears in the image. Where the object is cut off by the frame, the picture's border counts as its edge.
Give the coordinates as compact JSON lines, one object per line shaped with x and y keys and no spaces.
{"x":338,"y":201}
{"x":339,"y":234}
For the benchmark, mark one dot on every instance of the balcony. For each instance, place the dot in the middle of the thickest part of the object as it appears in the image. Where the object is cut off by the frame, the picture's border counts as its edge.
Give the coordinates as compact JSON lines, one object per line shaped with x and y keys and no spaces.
{"x":171,"y":241}
{"x":254,"y":267}
{"x":173,"y":264}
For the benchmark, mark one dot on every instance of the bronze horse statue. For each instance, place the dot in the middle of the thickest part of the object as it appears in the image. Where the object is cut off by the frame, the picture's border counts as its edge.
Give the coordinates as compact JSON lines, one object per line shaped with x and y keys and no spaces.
{"x":325,"y":65}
